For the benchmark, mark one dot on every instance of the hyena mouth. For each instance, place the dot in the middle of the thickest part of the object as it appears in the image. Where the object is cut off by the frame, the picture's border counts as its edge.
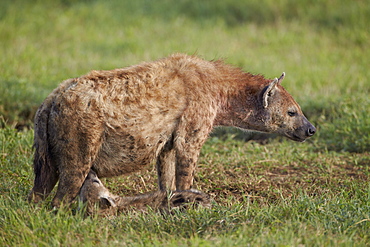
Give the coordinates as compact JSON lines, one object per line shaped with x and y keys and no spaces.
{"x":294,"y":137}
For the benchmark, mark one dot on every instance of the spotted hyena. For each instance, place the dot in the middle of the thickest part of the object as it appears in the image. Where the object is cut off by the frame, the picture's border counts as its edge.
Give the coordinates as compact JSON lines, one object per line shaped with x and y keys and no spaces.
{"x":117,"y":122}
{"x":93,"y":192}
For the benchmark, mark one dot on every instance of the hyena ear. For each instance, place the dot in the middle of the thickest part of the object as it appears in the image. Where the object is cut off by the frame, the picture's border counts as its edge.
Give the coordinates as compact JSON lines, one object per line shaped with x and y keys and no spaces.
{"x":281,"y":78}
{"x":91,"y":175}
{"x":267,"y":92}
{"x":107,"y":202}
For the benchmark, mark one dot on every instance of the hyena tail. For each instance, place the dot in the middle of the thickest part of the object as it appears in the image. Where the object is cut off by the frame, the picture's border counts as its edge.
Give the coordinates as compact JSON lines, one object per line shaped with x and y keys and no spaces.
{"x":46,"y":174}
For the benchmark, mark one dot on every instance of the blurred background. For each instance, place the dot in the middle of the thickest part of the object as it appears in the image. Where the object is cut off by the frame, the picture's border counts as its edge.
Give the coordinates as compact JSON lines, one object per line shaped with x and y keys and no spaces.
{"x":323,"y":46}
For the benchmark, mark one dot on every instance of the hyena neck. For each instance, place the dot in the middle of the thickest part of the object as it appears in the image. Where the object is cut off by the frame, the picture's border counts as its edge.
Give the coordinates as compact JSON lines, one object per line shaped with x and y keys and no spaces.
{"x":240,"y":104}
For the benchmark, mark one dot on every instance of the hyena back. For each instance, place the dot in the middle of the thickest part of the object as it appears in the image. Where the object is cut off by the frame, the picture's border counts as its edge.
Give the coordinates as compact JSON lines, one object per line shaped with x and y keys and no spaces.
{"x":116,"y":122}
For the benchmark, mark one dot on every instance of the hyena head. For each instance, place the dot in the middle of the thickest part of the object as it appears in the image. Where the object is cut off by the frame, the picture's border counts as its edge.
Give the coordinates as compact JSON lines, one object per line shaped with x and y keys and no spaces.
{"x":94,"y":192}
{"x":281,"y":114}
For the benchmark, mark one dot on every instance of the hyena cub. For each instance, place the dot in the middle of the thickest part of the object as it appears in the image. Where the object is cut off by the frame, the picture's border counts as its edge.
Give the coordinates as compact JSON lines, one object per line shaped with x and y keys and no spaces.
{"x":94,"y":193}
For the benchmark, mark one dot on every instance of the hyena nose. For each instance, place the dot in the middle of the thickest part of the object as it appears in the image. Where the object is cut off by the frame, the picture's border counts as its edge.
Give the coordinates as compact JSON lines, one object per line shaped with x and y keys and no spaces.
{"x":311,"y":131}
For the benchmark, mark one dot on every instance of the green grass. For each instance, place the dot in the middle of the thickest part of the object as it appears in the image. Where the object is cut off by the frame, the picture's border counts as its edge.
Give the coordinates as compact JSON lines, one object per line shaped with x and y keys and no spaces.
{"x":321,"y":47}
{"x":275,"y":194}
{"x":280,"y":194}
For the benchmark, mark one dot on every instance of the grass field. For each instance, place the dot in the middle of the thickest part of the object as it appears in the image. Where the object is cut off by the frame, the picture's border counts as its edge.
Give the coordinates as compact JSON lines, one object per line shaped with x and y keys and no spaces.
{"x":279,"y":193}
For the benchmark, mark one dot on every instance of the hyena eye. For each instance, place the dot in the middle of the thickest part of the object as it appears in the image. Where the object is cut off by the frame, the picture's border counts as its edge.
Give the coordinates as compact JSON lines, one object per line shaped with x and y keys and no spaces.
{"x":292,"y":113}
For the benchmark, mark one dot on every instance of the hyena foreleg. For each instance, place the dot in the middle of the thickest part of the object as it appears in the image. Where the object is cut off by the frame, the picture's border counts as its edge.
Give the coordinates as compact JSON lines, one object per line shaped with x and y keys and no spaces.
{"x":189,"y":139}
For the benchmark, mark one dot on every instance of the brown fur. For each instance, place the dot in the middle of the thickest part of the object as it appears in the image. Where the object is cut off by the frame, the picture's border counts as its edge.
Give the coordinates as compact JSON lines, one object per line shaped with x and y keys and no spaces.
{"x":93,"y":192}
{"x":116,"y":122}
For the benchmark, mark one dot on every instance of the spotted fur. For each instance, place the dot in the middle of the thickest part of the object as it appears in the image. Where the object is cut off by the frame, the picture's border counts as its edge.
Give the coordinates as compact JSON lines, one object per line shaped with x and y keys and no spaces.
{"x":117,"y":122}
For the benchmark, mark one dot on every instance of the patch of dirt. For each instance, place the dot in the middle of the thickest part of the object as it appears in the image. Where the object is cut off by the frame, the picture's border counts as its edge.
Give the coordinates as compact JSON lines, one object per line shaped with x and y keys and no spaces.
{"x":262,"y":183}
{"x":267,"y":184}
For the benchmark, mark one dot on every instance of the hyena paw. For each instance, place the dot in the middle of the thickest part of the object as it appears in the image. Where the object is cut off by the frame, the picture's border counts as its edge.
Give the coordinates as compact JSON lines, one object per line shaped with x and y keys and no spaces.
{"x":187,"y":198}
